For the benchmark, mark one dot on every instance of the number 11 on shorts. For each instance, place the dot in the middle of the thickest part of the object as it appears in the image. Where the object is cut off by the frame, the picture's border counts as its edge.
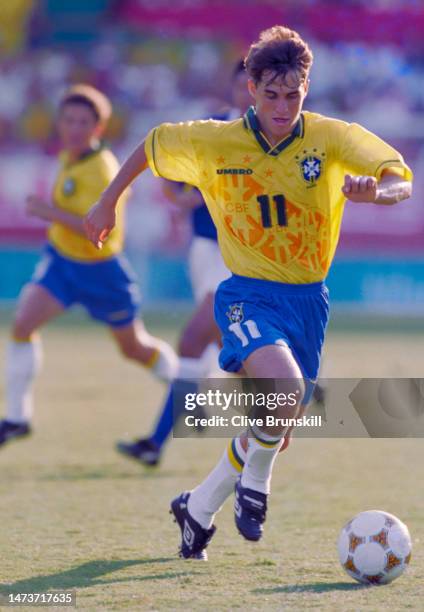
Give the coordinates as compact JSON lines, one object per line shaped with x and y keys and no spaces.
{"x":250,"y":332}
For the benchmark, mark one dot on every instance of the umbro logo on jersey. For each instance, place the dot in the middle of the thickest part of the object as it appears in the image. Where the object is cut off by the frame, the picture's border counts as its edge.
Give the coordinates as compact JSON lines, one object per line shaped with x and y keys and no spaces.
{"x":234,"y":171}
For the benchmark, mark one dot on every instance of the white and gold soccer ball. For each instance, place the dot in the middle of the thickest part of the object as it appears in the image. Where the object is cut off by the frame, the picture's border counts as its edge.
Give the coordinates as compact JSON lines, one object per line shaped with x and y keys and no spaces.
{"x":374,"y":547}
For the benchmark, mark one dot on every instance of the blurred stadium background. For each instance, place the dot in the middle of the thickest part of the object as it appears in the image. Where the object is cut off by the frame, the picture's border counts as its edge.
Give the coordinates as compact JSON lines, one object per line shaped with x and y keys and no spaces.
{"x":166,"y":60}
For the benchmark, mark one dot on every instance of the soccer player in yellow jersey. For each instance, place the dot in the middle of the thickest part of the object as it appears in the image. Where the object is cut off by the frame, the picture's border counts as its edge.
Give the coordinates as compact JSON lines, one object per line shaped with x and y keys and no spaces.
{"x":275,"y":183}
{"x":73,"y":270}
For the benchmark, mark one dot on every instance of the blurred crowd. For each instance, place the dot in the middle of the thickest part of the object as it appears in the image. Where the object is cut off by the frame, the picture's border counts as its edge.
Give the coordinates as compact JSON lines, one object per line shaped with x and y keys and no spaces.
{"x":151,"y":76}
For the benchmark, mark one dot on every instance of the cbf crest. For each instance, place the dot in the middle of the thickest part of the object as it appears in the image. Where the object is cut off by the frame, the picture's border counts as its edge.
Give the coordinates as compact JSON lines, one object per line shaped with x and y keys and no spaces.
{"x":311,"y":167}
{"x":68,"y":187}
{"x":235,"y":314}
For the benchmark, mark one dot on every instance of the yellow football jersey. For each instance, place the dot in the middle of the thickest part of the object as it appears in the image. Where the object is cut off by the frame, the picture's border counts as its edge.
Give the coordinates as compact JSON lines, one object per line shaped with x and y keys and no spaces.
{"x":277,"y":210}
{"x":78,"y":186}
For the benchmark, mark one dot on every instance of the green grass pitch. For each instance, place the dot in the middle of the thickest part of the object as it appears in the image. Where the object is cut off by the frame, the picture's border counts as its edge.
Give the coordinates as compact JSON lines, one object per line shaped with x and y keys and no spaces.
{"x":75,"y":515}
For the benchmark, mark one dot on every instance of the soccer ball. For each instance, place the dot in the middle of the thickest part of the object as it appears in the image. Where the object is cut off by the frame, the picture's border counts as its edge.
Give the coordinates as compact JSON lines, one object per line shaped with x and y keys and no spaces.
{"x":374,"y":547}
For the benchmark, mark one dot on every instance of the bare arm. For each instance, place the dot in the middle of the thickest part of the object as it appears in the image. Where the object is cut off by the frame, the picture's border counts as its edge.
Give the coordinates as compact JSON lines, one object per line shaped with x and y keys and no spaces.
{"x":100,"y":220}
{"x":391,"y":188}
{"x":35,"y":207}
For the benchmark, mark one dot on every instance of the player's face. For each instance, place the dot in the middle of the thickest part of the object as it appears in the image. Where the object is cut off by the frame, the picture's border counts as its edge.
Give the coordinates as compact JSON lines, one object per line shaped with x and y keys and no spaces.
{"x":240,"y":92}
{"x":77,"y":127}
{"x":278,"y":103}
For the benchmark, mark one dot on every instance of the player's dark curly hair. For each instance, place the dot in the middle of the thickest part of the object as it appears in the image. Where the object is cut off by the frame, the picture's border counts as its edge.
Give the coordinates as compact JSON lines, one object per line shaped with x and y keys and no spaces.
{"x":278,"y":51}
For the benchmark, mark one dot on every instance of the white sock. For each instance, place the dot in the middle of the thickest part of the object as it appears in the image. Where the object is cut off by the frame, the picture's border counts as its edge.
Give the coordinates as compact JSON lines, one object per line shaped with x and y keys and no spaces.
{"x":259,"y":462}
{"x":23,"y":362}
{"x":196,"y":368}
{"x":165,"y":364}
{"x":207,"y":499}
{"x":168,"y":366}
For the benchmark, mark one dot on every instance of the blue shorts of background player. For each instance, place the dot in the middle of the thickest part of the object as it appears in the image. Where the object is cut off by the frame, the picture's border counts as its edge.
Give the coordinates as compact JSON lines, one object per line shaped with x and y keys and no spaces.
{"x":107,"y":288}
{"x":252,"y":313}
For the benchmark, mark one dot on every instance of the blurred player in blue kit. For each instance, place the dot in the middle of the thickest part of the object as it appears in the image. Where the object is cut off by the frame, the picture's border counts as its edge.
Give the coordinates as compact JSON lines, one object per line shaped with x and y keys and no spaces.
{"x":73,"y":271}
{"x":275,"y":183}
{"x":207,"y":270}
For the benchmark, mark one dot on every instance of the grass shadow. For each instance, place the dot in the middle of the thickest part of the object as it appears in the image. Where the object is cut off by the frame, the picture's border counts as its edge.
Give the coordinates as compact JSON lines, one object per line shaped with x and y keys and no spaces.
{"x":74,"y":475}
{"x":89,"y":574}
{"x":312,"y":587}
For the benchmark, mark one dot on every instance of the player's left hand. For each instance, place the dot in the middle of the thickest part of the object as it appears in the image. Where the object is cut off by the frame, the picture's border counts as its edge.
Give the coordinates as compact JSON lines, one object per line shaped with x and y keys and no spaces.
{"x":36,"y":207}
{"x":360,"y":188}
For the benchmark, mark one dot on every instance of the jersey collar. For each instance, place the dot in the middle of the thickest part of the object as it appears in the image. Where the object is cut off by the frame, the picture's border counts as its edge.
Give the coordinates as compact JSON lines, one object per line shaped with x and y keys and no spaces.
{"x":251,"y":122}
{"x":90,"y":152}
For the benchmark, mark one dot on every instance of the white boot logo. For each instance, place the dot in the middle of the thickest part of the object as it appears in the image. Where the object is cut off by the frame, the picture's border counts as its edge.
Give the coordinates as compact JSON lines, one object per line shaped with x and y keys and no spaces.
{"x":188,"y":535}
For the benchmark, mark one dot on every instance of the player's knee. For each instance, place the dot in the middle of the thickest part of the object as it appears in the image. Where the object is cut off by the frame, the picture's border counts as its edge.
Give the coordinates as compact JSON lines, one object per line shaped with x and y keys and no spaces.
{"x":293,"y":391}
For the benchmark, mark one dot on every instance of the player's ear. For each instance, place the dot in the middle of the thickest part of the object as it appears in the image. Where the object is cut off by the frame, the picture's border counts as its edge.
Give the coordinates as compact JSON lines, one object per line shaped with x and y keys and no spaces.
{"x":306,"y":86}
{"x":99,"y":129}
{"x":251,"y":86}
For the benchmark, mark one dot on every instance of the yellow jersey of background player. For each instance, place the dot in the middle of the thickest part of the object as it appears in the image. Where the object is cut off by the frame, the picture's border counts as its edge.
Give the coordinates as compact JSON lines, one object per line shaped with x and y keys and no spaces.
{"x":73,"y":271}
{"x":78,"y":183}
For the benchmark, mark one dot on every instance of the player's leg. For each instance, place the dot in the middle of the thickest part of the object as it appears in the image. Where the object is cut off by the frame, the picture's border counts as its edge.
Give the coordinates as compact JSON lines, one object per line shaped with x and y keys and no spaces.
{"x":246,"y":457}
{"x":109,"y":291}
{"x":254,"y":459}
{"x":248,"y":326}
{"x":36,"y":306}
{"x":278,"y":363}
{"x":201,"y":330}
{"x":199,"y":333}
{"x":137,"y":344}
{"x":207,"y":270}
{"x":197,"y":508}
{"x":265,"y":442}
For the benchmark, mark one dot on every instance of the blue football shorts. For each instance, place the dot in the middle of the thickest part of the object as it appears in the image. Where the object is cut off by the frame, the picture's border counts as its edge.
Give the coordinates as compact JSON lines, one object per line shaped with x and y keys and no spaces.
{"x":252,"y":313}
{"x":107,"y":289}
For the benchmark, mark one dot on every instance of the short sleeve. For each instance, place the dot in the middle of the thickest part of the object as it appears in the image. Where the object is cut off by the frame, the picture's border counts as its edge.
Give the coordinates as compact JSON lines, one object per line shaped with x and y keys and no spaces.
{"x":170,"y":152}
{"x":363,"y":152}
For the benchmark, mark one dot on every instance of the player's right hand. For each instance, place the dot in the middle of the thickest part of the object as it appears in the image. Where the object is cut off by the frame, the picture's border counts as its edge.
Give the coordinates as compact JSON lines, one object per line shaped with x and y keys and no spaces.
{"x":99,"y":222}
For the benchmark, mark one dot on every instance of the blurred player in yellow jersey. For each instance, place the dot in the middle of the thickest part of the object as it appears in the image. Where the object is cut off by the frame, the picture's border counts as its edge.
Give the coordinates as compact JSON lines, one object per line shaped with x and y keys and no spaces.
{"x":275,"y":183}
{"x":73,"y":271}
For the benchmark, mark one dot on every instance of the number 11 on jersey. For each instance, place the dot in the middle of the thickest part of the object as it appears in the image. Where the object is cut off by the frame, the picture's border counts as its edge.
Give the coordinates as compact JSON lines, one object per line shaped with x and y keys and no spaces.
{"x":265,"y":205}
